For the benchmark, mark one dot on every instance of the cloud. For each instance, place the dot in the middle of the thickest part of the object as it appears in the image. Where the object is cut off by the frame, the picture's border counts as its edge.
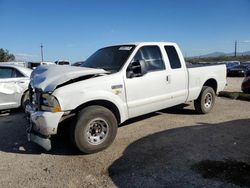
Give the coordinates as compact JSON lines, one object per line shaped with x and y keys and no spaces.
{"x":246,"y":41}
{"x":25,"y":57}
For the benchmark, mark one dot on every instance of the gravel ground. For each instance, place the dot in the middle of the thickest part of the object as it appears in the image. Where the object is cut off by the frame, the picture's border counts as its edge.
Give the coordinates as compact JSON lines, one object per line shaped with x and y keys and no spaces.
{"x":170,"y":148}
{"x":234,"y":84}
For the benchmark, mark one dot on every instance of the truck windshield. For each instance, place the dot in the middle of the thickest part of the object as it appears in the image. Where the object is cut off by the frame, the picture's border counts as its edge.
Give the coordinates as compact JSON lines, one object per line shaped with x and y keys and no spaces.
{"x":110,"y":58}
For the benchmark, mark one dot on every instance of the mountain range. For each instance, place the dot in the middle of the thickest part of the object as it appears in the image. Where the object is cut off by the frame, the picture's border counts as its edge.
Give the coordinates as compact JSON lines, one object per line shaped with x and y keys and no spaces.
{"x":218,"y":54}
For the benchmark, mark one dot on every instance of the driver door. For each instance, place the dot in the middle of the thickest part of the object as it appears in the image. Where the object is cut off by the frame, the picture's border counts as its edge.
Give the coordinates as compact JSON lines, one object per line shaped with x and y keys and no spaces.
{"x":149,"y":92}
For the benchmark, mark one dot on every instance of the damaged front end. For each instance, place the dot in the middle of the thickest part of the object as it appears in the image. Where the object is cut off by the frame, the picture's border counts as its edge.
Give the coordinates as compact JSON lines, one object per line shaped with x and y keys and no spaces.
{"x":44,"y":110}
{"x":44,"y":114}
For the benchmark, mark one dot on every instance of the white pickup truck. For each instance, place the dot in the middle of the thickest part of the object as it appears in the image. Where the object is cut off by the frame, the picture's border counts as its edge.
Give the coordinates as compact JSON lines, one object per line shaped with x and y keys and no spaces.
{"x":113,"y":85}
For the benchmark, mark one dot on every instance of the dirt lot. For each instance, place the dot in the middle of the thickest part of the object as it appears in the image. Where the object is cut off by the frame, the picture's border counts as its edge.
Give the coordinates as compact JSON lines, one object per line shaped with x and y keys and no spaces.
{"x":234,"y":84}
{"x":171,"y":148}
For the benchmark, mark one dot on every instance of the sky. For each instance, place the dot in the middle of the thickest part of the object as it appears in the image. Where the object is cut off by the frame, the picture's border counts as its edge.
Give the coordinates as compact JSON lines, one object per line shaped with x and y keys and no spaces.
{"x":74,"y":29}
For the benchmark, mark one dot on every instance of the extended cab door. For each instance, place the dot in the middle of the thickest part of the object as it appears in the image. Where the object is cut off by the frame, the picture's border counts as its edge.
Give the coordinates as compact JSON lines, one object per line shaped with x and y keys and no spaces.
{"x":149,"y":92}
{"x":177,"y":74}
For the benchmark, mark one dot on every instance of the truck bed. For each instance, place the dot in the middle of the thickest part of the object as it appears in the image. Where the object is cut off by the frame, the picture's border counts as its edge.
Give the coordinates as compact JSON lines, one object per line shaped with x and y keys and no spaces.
{"x":189,"y":65}
{"x":199,"y":74}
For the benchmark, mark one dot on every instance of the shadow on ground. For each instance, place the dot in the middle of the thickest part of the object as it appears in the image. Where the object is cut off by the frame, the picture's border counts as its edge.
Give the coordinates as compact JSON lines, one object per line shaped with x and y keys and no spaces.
{"x":13,"y":133}
{"x":14,"y":140}
{"x":207,"y":155}
{"x":179,"y":109}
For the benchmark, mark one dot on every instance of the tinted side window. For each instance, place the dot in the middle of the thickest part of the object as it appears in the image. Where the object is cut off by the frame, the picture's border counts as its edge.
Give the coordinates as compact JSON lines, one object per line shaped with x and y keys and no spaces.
{"x":17,"y":74}
{"x":6,"y":72}
{"x":173,"y":57}
{"x":152,"y":56}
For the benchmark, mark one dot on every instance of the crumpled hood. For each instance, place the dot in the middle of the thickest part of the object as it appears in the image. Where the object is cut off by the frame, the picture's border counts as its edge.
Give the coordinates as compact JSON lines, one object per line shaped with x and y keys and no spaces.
{"x":48,"y":77}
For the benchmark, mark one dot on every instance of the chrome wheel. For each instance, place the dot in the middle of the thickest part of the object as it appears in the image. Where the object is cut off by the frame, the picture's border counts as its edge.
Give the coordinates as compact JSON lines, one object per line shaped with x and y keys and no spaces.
{"x":97,"y":131}
{"x":208,"y":100}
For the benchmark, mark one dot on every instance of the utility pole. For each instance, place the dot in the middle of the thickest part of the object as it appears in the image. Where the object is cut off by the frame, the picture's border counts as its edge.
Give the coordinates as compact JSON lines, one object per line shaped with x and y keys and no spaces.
{"x":41,"y":51}
{"x":235,"y":48}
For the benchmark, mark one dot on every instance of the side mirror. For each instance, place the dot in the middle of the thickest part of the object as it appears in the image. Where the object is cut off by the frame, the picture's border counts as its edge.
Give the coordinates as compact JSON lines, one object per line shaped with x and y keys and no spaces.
{"x":136,"y":69}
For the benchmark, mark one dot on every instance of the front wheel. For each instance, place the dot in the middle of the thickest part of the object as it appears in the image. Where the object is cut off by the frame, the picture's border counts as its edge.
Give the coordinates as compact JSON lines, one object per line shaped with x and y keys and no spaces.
{"x":205,"y":101}
{"x":95,"y":129}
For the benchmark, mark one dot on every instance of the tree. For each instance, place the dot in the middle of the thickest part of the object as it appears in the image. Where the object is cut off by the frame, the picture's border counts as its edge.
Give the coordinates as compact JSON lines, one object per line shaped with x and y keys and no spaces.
{"x":5,"y":56}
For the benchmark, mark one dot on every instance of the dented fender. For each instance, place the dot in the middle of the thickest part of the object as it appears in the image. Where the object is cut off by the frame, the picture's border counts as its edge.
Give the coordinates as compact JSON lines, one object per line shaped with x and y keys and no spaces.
{"x":79,"y":99}
{"x":110,"y":88}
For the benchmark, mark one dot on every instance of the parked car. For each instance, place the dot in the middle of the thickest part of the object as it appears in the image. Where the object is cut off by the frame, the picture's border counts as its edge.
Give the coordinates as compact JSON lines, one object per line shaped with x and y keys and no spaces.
{"x":16,"y":63}
{"x":238,"y":71}
{"x":77,"y":64}
{"x":113,"y":85}
{"x":230,"y":64}
{"x":14,"y":81}
{"x":245,"y":86}
{"x":246,"y":64}
{"x":62,"y":62}
{"x":31,"y":65}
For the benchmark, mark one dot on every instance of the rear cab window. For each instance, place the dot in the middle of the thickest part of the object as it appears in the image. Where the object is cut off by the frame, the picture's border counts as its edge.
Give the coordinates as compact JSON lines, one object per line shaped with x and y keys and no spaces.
{"x":173,"y":57}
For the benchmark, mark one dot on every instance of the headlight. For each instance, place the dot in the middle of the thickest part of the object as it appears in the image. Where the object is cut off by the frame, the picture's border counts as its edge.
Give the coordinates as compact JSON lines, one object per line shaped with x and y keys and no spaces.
{"x":50,"y":103}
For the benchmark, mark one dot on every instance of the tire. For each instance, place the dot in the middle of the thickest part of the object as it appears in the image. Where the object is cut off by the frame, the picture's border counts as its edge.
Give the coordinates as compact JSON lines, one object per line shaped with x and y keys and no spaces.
{"x":25,"y":100}
{"x":94,"y":130}
{"x":205,"y":102}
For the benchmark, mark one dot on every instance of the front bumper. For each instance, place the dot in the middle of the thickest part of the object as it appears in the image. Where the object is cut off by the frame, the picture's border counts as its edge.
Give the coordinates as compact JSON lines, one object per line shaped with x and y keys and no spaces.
{"x":44,"y":142}
{"x":42,"y":125}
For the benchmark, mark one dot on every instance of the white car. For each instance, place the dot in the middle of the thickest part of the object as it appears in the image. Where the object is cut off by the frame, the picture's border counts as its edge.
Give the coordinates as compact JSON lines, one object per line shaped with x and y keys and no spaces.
{"x":14,"y":81}
{"x":113,"y":85}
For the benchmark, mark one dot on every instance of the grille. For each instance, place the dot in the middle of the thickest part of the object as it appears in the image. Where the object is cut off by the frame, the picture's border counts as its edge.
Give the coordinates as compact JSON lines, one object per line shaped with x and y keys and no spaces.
{"x":35,"y":97}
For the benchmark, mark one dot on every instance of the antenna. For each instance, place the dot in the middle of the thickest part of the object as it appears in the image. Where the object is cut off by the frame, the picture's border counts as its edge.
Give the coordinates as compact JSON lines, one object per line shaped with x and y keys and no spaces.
{"x":235,"y":48}
{"x":41,"y":51}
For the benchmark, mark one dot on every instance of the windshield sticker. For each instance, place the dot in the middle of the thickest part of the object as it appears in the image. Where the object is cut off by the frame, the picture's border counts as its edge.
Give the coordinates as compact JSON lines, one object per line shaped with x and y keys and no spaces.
{"x":125,"y":48}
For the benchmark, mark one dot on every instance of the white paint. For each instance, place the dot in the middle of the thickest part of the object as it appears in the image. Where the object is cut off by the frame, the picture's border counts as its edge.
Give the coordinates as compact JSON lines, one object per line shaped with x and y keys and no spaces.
{"x":137,"y":96}
{"x":47,"y":77}
{"x":12,"y":89}
{"x":46,"y":122}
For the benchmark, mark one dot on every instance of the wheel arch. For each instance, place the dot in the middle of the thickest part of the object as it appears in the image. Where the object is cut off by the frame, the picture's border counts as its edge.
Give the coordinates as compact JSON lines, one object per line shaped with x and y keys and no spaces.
{"x":24,"y":92}
{"x":212,"y":83}
{"x":105,"y":103}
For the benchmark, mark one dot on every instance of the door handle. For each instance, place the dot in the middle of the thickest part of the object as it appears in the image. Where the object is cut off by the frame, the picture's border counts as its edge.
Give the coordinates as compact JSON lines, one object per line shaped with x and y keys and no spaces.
{"x":168,"y":79}
{"x":20,"y":82}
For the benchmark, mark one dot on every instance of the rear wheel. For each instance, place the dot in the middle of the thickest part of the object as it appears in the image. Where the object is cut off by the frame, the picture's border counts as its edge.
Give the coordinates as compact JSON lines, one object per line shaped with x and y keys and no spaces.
{"x":95,"y":129}
{"x":205,"y":101}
